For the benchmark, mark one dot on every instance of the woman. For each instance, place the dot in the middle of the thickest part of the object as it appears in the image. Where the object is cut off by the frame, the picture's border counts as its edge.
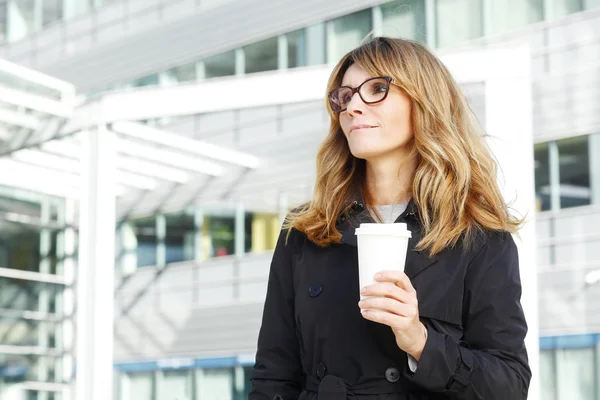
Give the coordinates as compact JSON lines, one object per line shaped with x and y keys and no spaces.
{"x":403,"y":147}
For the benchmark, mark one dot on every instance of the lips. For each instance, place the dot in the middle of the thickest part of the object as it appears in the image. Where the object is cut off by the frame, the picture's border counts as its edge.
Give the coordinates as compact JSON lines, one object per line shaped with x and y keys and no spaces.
{"x":361,"y":126}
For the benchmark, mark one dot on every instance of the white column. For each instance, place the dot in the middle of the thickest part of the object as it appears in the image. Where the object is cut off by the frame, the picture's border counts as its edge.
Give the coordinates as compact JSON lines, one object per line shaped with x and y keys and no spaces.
{"x":377,"y":20}
{"x":430,"y":23}
{"x":511,"y":95}
{"x":96,"y":271}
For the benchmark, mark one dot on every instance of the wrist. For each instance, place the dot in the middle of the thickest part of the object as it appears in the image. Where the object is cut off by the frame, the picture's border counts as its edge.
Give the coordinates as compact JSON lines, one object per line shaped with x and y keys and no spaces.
{"x":420,"y":345}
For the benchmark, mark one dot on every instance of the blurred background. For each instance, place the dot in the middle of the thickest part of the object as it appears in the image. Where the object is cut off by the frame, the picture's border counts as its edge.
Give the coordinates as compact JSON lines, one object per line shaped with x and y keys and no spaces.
{"x":194,"y":109}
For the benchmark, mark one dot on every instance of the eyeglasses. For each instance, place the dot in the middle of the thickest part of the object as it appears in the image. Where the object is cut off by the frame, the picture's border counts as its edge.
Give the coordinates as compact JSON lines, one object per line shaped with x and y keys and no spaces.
{"x":371,"y":91}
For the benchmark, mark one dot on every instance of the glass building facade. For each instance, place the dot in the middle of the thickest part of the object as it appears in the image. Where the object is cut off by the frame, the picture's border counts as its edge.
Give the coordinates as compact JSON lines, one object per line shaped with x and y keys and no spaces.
{"x":35,"y":319}
{"x":36,"y":263}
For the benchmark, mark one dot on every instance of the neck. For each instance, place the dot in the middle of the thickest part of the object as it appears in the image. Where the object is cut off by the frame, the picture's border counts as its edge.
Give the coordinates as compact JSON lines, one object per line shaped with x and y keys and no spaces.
{"x":389,"y":179}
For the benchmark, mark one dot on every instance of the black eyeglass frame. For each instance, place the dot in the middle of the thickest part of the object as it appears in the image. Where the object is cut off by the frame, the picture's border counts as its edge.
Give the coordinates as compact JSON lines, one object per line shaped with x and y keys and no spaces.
{"x":357,"y":90}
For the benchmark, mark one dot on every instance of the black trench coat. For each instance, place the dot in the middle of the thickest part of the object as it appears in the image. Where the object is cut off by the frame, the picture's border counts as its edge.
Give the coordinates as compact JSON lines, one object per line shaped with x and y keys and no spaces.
{"x":315,"y":344}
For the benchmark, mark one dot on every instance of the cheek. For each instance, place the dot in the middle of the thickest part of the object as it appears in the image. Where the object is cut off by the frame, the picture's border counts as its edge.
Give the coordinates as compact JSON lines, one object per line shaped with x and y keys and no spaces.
{"x":345,"y":123}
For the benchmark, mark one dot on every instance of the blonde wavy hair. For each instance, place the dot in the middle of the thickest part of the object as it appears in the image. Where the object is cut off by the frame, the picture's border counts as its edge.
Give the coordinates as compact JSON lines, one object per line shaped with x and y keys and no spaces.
{"x":454,"y":186}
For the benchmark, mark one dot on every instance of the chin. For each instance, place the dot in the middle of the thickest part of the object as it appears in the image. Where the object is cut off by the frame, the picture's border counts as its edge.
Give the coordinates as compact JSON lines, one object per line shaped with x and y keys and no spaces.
{"x":366,"y":154}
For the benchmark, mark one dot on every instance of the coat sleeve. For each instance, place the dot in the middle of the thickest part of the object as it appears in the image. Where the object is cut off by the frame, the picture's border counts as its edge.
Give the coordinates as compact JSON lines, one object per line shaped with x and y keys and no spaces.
{"x":278,"y":369}
{"x":490,"y":362}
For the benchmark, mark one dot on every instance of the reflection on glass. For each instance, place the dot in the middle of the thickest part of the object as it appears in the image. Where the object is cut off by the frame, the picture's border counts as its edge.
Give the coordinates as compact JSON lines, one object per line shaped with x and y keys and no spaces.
{"x":264,"y":231}
{"x":510,"y":14}
{"x":218,"y":236}
{"x":18,"y":294}
{"x":146,"y":241}
{"x":346,"y":33}
{"x":215,"y":383}
{"x":404,"y":19}
{"x":20,"y":368}
{"x":21,"y":17}
{"x":27,"y":332}
{"x":574,"y":169}
{"x":3,"y":24}
{"x":458,"y":21}
{"x":183,"y":73}
{"x":542,"y":177}
{"x":150,"y":80}
{"x":547,"y":375}
{"x":73,"y":8}
{"x":179,"y":241}
{"x":219,"y":65}
{"x":176,"y":385}
{"x":19,"y":246}
{"x":52,"y":11}
{"x":261,"y":56}
{"x":296,"y":43}
{"x":561,"y":8}
{"x":575,"y":373}
{"x":138,"y":385}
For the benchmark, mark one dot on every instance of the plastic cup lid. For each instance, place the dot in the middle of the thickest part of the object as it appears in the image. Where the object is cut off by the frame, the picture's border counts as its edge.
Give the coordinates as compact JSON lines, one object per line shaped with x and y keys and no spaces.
{"x":396,"y":229}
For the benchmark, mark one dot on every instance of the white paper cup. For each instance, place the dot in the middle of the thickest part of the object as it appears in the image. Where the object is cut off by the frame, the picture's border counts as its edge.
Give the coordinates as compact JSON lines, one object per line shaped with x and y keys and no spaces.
{"x":380,"y":247}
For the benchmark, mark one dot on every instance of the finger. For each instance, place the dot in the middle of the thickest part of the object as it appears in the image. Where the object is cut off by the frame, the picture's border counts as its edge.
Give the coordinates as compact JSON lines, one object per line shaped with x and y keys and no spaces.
{"x":398,"y":277}
{"x":388,"y":305}
{"x":386,"y":318}
{"x":391,"y":290}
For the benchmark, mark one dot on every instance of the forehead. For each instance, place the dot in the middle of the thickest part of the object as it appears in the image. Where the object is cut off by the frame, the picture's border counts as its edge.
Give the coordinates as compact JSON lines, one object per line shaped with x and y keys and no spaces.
{"x":354,"y":76}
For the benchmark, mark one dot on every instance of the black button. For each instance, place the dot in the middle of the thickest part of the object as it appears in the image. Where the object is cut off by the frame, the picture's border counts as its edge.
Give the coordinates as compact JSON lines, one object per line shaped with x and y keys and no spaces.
{"x":392,"y":374}
{"x":321,"y":370}
{"x":315,"y":290}
{"x":277,"y":397}
{"x":356,"y":206}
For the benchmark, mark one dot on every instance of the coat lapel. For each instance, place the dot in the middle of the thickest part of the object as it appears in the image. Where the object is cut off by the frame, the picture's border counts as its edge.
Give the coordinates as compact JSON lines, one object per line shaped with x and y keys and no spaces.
{"x":416,"y":261}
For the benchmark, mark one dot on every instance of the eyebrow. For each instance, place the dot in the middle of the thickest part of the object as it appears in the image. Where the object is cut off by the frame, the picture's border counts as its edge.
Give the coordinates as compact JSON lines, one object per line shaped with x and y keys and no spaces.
{"x":363,"y":81}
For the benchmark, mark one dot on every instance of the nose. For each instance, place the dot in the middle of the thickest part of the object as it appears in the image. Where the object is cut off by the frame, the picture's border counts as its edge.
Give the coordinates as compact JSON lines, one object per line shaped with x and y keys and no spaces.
{"x":355,"y":106}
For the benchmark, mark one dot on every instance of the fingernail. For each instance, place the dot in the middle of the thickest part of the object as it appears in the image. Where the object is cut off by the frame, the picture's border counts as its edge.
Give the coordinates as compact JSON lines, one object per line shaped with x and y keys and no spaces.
{"x":363,"y":290}
{"x":377,"y":275}
{"x":360,"y":303}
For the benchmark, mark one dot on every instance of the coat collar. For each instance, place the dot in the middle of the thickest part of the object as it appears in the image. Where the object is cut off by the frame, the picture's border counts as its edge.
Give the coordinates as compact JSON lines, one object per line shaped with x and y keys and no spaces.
{"x":416,"y":261}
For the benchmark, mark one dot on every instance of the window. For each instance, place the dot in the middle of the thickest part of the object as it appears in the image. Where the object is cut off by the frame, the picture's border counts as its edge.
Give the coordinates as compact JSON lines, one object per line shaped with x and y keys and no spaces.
{"x":404,"y":19}
{"x":150,"y":80}
{"x":219,"y":65}
{"x":346,"y":33}
{"x":19,"y":368}
{"x":218,"y":235}
{"x":264,"y":231}
{"x":175,"y":385}
{"x":73,"y":8}
{"x":20,"y":19}
{"x":542,"y":177}
{"x":261,"y":56}
{"x":146,"y":241}
{"x":296,"y":47}
{"x":574,"y":171}
{"x":575,"y":367}
{"x":458,"y":21}
{"x":179,"y":240}
{"x":561,"y":8}
{"x":3,"y":24}
{"x":183,"y":73}
{"x":547,"y":375}
{"x":510,"y":14}
{"x":138,"y":385}
{"x":215,"y":383}
{"x":52,"y":11}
